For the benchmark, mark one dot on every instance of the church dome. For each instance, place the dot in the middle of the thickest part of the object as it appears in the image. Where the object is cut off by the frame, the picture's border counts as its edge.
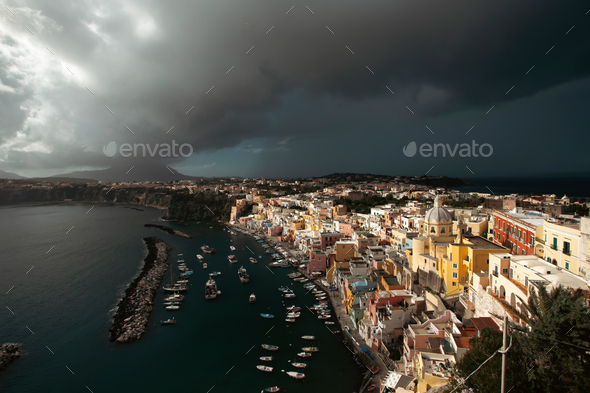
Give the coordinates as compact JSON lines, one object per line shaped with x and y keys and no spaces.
{"x":438,"y":214}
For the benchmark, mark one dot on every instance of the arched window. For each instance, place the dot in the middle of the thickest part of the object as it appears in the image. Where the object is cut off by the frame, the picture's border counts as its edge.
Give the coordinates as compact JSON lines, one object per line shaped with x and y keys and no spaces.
{"x":432,"y":230}
{"x":443,"y":230}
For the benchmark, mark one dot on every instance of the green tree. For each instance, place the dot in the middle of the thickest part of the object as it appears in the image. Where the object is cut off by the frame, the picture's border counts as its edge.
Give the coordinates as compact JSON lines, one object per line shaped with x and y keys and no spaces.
{"x":556,"y":319}
{"x":487,"y":378}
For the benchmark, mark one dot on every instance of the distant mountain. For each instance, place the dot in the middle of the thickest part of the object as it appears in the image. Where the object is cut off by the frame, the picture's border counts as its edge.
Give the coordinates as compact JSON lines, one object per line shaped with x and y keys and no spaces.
{"x":10,"y":175}
{"x":129,"y":174}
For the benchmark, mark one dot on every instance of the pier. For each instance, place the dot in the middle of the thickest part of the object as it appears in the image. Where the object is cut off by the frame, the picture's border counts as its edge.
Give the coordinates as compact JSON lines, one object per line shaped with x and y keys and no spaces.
{"x":133,"y":311}
{"x":169,"y":230}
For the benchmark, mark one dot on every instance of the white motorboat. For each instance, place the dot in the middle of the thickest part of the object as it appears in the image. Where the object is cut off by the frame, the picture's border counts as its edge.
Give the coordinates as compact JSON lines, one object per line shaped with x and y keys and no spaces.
{"x":304,"y":354}
{"x":299,"y":365}
{"x":200,"y":257}
{"x":204,"y":266}
{"x":232,"y":248}
{"x":252,"y":298}
{"x":308,"y":337}
{"x":266,"y":358}
{"x":296,"y":375}
{"x":264,"y":368}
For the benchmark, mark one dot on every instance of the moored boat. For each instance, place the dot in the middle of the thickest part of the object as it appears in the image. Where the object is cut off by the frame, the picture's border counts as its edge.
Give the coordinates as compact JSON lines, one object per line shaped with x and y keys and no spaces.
{"x":296,"y":375}
{"x":253,"y":260}
{"x":173,"y":307}
{"x":232,"y":259}
{"x":290,"y":295}
{"x":311,"y":349}
{"x":266,"y":358}
{"x":304,"y":354}
{"x":252,"y":298}
{"x":232,"y":248}
{"x":211,"y":289}
{"x":264,"y":368}
{"x":308,"y":337}
{"x":174,"y":298}
{"x":243,"y":275}
{"x":269,"y":347}
{"x":208,"y":250}
{"x":204,"y":266}
{"x":271,"y":389}
{"x":269,"y":316}
{"x":299,"y":365}
{"x":291,"y":320}
{"x":168,"y":321}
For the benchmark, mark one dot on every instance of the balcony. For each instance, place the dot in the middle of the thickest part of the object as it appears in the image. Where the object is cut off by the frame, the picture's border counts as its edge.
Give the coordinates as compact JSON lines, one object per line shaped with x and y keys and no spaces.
{"x":495,"y":273}
{"x":464,"y":299}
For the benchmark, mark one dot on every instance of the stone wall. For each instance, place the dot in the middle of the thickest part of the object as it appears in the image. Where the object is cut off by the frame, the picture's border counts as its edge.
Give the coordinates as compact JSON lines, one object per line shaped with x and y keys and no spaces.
{"x":487,"y":306}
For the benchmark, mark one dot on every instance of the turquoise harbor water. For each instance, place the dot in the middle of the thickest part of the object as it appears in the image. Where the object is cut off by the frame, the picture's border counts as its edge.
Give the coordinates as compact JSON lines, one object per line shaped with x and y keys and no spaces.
{"x":68,"y":297}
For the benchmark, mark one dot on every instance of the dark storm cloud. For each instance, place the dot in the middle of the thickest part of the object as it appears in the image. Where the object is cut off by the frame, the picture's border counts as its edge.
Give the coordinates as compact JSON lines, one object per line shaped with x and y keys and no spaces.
{"x":152,"y":61}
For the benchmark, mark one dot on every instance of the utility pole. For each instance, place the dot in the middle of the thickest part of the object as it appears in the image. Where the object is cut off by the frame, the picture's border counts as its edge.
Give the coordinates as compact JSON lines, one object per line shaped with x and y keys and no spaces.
{"x":504,"y":354}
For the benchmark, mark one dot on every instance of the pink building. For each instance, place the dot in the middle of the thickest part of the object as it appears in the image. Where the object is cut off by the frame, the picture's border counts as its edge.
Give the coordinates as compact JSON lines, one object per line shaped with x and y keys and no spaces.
{"x":318,"y":261}
{"x":275,"y":231}
{"x":328,"y":239}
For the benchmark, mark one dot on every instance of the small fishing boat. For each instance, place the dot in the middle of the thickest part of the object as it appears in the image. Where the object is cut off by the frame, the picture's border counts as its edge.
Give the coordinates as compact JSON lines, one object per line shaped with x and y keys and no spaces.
{"x":293,"y":309}
{"x":264,"y":368}
{"x":174,"y":298}
{"x":290,"y":295}
{"x":204,"y":266}
{"x":296,"y":375}
{"x":269,"y":316}
{"x":293,"y":315}
{"x":266,"y":358}
{"x":252,"y":298}
{"x":207,"y":250}
{"x":269,"y":347}
{"x":180,"y":255}
{"x":283,"y":289}
{"x":336,"y":332}
{"x":174,"y":288}
{"x":182,"y":281}
{"x":168,"y":321}
{"x":243,"y":275}
{"x":199,"y":257}
{"x":294,"y":275}
{"x":329,"y":323}
{"x":271,"y":389}
{"x":173,"y":307}
{"x":180,"y":261}
{"x":232,"y":259}
{"x":299,"y":365}
{"x":311,"y":349}
{"x":172,"y":303}
{"x":304,"y":280}
{"x":324,"y":316}
{"x":304,"y":354}
{"x":291,"y":320}
{"x":308,"y":337}
{"x":211,"y":291}
{"x":214,"y":274}
{"x":253,"y":260}
{"x":232,"y":248}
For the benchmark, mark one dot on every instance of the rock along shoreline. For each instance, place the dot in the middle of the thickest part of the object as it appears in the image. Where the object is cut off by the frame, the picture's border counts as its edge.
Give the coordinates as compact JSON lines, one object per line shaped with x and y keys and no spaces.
{"x":8,"y":353}
{"x":133,"y":311}
{"x":169,"y":230}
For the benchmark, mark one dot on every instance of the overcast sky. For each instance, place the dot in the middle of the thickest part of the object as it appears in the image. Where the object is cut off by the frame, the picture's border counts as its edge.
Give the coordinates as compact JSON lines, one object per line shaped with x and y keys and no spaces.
{"x":288,"y":89}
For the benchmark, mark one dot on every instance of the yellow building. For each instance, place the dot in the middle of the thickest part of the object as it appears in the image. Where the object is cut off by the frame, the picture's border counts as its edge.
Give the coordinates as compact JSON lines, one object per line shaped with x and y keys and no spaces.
{"x":562,"y":244}
{"x":468,"y":254}
{"x":345,"y":249}
{"x":298,"y":224}
{"x":432,"y":369}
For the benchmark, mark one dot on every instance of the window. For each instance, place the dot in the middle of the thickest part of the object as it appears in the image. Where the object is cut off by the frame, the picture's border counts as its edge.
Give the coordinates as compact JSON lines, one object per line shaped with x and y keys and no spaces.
{"x":488,"y":261}
{"x":467,"y":258}
{"x":567,"y":265}
{"x":518,"y":250}
{"x":455,"y":266}
{"x":431,"y":229}
{"x":455,"y":275}
{"x":555,"y":243}
{"x":566,"y":248}
{"x":451,"y":256}
{"x":526,"y":281}
{"x":454,"y":284}
{"x":433,"y":264}
{"x":504,"y":271}
{"x":442,"y":230}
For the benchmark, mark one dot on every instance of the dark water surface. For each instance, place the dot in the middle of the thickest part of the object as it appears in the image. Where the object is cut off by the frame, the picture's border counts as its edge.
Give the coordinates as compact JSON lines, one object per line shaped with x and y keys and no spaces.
{"x":68,"y":297}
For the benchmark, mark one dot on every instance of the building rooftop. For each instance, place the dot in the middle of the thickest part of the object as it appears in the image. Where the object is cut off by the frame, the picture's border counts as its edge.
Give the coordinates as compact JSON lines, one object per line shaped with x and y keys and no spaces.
{"x":480,"y":243}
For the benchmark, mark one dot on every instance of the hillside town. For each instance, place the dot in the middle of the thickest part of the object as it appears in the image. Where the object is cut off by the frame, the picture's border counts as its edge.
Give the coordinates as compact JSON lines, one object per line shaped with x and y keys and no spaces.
{"x":417,"y":277}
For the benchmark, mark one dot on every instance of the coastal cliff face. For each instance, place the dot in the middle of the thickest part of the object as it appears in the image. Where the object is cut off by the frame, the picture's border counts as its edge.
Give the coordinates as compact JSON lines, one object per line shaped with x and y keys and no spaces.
{"x":181,"y":205}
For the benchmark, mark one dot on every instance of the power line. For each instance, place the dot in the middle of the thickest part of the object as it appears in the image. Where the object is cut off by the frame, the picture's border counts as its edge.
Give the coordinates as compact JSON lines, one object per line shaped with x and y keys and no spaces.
{"x":556,"y":340}
{"x":480,"y":366}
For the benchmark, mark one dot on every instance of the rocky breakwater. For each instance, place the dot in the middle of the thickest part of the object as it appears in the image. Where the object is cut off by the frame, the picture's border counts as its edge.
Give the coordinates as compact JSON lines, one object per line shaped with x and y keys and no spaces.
{"x":169,"y":230}
{"x":8,"y":354}
{"x":133,"y":311}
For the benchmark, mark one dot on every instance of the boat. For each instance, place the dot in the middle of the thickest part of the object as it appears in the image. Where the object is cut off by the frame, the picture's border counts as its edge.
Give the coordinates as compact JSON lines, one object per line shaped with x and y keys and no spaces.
{"x":299,"y":365}
{"x":336,"y":332}
{"x":168,"y":321}
{"x":291,"y":320}
{"x":283,"y":289}
{"x":274,"y":264}
{"x":294,"y":275}
{"x":371,"y":388}
{"x":243,"y":275}
{"x":266,"y":358}
{"x":271,"y":389}
{"x":304,"y":280}
{"x":172,"y":303}
{"x":253,"y":260}
{"x":304,"y":354}
{"x":214,"y":274}
{"x":175,"y":288}
{"x":329,"y":323}
{"x":180,"y":255}
{"x":296,"y":375}
{"x":232,"y":248}
{"x":293,"y":309}
{"x":290,"y":295}
{"x":173,"y":307}
{"x":269,"y":347}
{"x":375,"y":370}
{"x":293,"y":315}
{"x":207,"y":250}
{"x":252,"y":298}
{"x":182,"y":281}
{"x":174,"y":298}
{"x":284,"y":264}
{"x":204,"y":266}
{"x":199,"y":257}
{"x":324,"y":316}
{"x":210,"y":289}
{"x":232,"y":259}
{"x":269,"y":316}
{"x":308,"y":337}
{"x":264,"y":368}
{"x":310,"y":349}
{"x":180,"y":261}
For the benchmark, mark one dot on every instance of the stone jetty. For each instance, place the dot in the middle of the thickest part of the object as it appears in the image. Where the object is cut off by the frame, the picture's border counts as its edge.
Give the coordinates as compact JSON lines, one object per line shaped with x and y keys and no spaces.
{"x":8,"y":354}
{"x":133,"y":311}
{"x":169,"y":230}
